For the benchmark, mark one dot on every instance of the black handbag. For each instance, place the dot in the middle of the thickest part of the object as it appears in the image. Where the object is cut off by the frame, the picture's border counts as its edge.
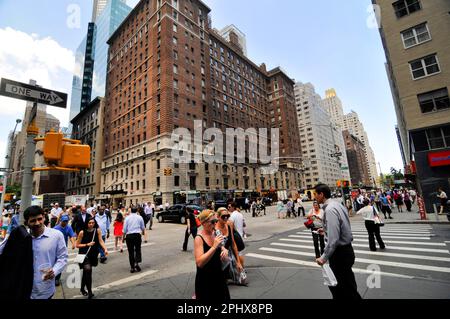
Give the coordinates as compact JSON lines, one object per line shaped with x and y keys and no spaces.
{"x":238,"y":240}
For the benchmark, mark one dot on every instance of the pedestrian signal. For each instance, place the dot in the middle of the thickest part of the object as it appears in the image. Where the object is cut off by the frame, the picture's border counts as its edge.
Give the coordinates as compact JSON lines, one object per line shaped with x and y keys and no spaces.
{"x":64,"y":154}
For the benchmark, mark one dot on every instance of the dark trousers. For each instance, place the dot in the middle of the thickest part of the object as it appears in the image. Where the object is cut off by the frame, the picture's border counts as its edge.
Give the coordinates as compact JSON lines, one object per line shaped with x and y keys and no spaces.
{"x":316,"y":239}
{"x":374,"y":231}
{"x":341,"y":263}
{"x":302,"y":209}
{"x":408,"y":204}
{"x":134,"y":249}
{"x":386,"y":209}
{"x":186,"y":237}
{"x":379,"y":207}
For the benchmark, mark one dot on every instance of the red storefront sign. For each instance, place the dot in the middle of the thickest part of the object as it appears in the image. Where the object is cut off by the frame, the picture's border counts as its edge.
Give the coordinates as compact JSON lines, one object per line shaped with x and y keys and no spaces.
{"x":439,"y":159}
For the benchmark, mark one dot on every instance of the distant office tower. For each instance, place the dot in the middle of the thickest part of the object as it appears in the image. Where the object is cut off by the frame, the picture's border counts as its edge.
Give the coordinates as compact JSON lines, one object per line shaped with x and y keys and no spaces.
{"x":359,"y":171}
{"x":417,"y":45}
{"x":351,"y":122}
{"x":320,"y":138}
{"x":91,"y":57}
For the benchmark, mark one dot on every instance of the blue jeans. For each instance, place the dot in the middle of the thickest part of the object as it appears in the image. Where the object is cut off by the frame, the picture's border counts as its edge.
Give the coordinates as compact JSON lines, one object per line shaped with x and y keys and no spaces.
{"x":102,"y":252}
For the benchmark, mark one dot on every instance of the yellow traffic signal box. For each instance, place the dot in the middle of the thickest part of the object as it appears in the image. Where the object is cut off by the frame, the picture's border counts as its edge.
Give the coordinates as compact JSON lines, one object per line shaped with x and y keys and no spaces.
{"x":76,"y":155}
{"x":53,"y":143}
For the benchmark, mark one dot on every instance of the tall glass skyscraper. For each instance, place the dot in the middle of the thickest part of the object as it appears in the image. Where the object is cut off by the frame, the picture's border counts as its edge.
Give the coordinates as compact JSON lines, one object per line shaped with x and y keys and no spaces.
{"x":91,"y":58}
{"x":108,"y":21}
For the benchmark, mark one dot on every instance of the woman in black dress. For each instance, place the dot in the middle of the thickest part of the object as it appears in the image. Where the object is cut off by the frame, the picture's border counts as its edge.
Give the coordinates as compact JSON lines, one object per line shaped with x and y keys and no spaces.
{"x":210,"y":282}
{"x":89,"y":242}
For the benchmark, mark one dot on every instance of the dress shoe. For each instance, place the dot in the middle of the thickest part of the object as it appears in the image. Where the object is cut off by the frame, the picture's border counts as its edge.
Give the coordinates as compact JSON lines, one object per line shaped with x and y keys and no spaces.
{"x":90,"y":295}
{"x":138,"y":269}
{"x":83,"y":292}
{"x":132,"y":270}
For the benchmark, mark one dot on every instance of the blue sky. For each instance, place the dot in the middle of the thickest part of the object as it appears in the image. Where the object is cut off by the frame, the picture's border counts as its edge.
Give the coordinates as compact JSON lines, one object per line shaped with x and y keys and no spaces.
{"x":325,"y":42}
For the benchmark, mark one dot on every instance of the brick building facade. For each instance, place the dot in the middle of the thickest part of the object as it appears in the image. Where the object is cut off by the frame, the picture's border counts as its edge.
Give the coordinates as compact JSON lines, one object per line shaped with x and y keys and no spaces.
{"x":168,"y":68}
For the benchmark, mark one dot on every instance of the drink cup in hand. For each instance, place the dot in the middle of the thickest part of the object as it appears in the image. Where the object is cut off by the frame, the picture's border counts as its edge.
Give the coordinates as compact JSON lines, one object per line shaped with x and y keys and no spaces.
{"x":45,"y":269}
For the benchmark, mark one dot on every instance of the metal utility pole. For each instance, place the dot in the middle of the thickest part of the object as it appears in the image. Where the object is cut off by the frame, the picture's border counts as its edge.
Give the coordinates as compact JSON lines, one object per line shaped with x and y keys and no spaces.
{"x":30,"y":149}
{"x":8,"y":161}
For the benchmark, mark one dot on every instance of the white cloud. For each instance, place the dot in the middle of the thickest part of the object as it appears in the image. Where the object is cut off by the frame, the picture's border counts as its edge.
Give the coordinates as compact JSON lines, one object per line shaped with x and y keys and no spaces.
{"x":31,"y":56}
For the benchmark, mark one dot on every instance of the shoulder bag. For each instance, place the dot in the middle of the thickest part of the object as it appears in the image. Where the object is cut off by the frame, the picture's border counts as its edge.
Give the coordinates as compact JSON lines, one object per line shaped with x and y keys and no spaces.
{"x":81,"y":257}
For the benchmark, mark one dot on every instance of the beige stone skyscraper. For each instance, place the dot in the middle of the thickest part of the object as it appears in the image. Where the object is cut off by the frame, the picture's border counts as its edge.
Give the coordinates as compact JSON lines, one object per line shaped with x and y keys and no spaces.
{"x":351,"y":122}
{"x":415,"y":36}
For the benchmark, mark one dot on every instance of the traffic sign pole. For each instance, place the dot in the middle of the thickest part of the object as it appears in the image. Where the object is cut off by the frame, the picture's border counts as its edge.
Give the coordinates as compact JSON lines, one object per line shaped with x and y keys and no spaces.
{"x":27,"y":180}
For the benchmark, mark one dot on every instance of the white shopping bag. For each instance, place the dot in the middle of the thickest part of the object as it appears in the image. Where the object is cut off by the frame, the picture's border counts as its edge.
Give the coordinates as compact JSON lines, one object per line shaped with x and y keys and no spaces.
{"x":328,"y":277}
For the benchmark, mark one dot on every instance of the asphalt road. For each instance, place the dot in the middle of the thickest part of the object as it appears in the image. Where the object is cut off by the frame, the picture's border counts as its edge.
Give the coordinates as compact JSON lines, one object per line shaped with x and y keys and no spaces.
{"x":280,"y":264}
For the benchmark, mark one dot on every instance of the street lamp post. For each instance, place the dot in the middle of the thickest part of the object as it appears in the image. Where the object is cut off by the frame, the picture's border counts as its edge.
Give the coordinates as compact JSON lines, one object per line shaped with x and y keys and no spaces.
{"x":8,"y":161}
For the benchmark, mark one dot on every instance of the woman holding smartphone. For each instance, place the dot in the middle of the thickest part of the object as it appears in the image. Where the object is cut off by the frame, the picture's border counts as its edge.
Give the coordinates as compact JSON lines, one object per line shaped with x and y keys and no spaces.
{"x":316,"y":214}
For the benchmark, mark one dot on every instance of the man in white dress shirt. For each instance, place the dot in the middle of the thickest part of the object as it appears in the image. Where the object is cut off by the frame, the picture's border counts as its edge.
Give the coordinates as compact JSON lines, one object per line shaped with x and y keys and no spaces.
{"x":133,"y":229}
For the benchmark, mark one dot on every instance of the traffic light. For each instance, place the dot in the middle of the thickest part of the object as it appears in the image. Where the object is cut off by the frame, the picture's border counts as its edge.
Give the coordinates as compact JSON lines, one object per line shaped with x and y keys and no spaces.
{"x":53,"y":143}
{"x":345,"y":184}
{"x":64,"y":154}
{"x":76,"y":156}
{"x":167,"y":171}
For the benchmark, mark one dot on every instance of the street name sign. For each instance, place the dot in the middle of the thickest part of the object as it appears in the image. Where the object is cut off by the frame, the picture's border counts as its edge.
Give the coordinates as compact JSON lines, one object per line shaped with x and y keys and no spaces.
{"x":32,"y":93}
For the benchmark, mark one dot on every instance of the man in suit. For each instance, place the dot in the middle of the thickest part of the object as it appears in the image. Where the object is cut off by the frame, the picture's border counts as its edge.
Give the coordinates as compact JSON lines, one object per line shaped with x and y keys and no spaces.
{"x":81,"y":219}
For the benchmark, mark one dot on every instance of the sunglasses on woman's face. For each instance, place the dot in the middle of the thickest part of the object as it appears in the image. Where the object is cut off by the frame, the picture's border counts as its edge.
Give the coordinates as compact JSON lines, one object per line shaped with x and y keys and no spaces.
{"x":225,"y":216}
{"x":213,"y":222}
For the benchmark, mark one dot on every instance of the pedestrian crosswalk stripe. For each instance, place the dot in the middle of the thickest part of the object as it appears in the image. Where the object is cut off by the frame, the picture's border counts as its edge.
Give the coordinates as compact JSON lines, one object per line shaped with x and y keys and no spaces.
{"x":376,"y":253}
{"x":121,"y":282}
{"x":397,"y":234}
{"x":396,"y":230}
{"x":390,"y":226}
{"x":313,"y":264}
{"x":430,"y":250}
{"x":385,"y":232}
{"x":366,"y":240}
{"x":369,"y":261}
{"x":364,"y":236}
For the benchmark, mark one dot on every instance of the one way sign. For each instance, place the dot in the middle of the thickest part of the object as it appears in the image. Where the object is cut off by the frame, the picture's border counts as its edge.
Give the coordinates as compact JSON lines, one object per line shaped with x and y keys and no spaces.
{"x":32,"y":93}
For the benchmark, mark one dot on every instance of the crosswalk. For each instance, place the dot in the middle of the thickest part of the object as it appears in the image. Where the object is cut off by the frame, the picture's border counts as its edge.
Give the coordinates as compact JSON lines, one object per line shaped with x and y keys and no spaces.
{"x":411,"y":251}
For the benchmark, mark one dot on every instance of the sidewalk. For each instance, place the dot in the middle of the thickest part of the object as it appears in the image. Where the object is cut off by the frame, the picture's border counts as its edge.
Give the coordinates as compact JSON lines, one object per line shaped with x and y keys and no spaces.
{"x":412,"y":217}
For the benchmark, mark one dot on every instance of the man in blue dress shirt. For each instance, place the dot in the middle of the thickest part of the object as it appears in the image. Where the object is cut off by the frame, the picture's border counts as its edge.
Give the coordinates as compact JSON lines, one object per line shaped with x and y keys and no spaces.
{"x":133,"y":228}
{"x":49,"y":253}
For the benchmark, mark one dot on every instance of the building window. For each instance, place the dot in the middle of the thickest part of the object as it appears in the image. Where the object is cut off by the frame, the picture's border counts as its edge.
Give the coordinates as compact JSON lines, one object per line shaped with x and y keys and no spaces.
{"x":158,"y":181}
{"x":177,"y":181}
{"x":424,"y":66}
{"x":416,"y":35}
{"x":430,"y":139}
{"x":434,"y":100}
{"x":405,"y":7}
{"x":158,"y":164}
{"x":175,"y":84}
{"x":175,"y":40}
{"x":175,"y":28}
{"x":175,"y":69}
{"x":207,"y":181}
